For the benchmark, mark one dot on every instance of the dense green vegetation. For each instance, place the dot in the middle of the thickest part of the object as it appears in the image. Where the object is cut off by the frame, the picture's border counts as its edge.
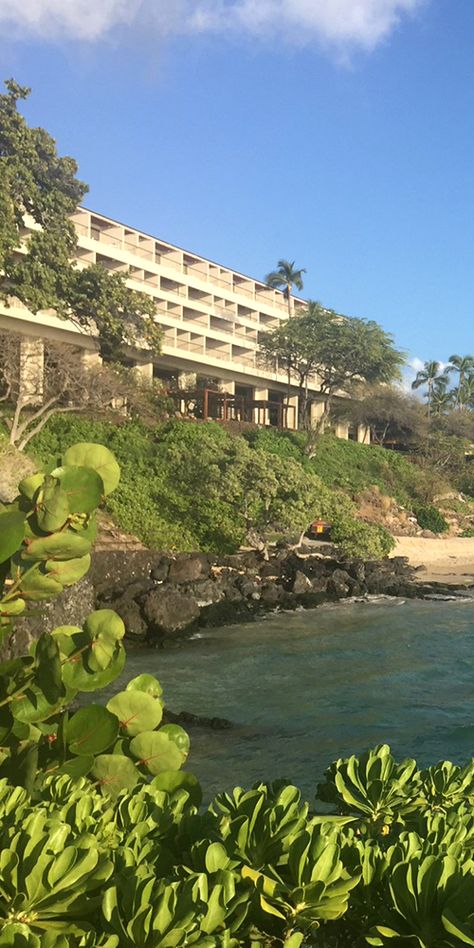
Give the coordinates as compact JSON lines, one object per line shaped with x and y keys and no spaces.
{"x":195,"y":486}
{"x":46,"y":536}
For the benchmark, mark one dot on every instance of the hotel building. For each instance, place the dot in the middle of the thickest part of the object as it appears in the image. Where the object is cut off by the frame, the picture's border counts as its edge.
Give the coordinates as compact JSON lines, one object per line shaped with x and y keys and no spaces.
{"x":210,"y":314}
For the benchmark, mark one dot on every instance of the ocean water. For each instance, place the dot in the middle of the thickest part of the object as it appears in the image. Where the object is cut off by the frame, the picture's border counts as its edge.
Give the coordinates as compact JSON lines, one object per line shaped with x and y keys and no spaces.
{"x":306,"y":687}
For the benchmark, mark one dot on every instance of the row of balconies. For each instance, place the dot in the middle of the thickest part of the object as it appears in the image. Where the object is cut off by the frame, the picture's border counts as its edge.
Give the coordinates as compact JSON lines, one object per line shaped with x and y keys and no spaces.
{"x":112,"y":234}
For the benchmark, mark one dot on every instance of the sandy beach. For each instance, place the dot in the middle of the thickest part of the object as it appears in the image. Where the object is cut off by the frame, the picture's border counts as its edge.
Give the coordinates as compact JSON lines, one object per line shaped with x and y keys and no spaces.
{"x":444,"y":560}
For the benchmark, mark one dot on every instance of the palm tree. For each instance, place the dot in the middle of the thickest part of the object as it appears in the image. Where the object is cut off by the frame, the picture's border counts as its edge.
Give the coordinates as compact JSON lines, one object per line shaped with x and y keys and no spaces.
{"x":463,"y":365}
{"x":285,"y":278}
{"x":428,"y":375}
{"x":467,"y":390}
{"x":441,"y":397}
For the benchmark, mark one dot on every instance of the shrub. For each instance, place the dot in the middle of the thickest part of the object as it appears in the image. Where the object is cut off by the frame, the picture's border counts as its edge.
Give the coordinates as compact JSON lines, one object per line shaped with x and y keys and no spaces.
{"x":46,"y":536}
{"x":387,"y":860}
{"x":429,"y":518}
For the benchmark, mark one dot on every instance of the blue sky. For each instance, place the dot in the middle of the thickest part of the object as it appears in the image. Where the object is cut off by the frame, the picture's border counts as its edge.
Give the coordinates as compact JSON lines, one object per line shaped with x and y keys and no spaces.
{"x":339,"y":133}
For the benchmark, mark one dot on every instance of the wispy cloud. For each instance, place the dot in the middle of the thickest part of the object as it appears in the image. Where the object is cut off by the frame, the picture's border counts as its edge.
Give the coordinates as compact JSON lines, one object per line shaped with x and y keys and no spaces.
{"x":340,"y":23}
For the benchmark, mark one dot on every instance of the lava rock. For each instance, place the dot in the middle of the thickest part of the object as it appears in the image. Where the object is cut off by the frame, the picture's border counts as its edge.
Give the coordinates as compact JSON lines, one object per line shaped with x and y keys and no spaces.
{"x":188,"y":568}
{"x":168,"y":611}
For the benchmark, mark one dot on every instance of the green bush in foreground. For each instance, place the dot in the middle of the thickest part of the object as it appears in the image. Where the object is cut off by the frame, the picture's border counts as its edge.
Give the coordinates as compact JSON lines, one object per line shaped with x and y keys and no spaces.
{"x":390,"y":864}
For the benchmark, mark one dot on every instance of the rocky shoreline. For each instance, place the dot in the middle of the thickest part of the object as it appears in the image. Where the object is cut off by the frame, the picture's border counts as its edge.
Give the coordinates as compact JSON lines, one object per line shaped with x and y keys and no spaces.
{"x":164,"y":598}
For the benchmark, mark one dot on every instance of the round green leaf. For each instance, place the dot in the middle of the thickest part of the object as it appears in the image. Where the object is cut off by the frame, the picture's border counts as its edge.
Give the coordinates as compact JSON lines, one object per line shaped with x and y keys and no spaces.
{"x":13,"y":608}
{"x":146,"y":683}
{"x":172,"y":780}
{"x":48,"y":674}
{"x":91,"y":730}
{"x":61,"y":546}
{"x":51,"y":506}
{"x":136,"y":711}
{"x":68,"y":572}
{"x":155,"y":751}
{"x":97,"y":457}
{"x":12,"y":531}
{"x":178,"y":735}
{"x":76,"y":652}
{"x":82,"y":485}
{"x":105,"y":622}
{"x":76,"y":767}
{"x":38,"y":585}
{"x":33,"y":706}
{"x":115,"y":773}
{"x":29,"y":485}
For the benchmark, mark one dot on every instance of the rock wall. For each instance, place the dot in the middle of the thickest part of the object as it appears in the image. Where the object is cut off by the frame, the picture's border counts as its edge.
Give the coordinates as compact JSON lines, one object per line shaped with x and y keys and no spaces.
{"x":161,"y":598}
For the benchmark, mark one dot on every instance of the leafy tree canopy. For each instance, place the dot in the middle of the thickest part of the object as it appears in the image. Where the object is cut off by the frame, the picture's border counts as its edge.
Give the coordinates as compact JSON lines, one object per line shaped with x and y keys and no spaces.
{"x":40,"y":188}
{"x":333,"y":350}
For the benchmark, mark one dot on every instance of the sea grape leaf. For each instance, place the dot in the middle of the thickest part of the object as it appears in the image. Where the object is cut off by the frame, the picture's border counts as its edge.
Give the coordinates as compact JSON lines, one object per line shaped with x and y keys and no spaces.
{"x":83,"y":486}
{"x":155,"y":751}
{"x":37,"y":585}
{"x":12,"y":531}
{"x":136,"y":711}
{"x":115,"y":773}
{"x":52,"y":505}
{"x":48,"y":676}
{"x":97,"y":457}
{"x":61,"y":546}
{"x":178,"y":735}
{"x":91,"y":730}
{"x":68,"y":572}
{"x":146,"y":683}
{"x":29,"y":485}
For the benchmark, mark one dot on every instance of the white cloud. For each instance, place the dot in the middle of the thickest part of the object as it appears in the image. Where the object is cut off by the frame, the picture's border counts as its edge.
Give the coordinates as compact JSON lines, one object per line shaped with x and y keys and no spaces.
{"x":341,"y":23}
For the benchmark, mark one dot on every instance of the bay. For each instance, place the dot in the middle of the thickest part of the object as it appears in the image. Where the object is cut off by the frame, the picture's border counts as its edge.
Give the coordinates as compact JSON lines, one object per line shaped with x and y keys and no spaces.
{"x":306,"y":687}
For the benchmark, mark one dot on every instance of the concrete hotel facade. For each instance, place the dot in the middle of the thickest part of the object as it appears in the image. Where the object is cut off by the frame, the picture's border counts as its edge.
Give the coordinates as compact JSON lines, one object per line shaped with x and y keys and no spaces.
{"x":210,"y":315}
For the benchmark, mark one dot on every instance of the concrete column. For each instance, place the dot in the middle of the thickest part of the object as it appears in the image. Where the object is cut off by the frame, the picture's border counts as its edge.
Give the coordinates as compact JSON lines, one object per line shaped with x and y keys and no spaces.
{"x":363,"y":434}
{"x":342,"y":430}
{"x":292,"y":415}
{"x":261,"y":416}
{"x":31,"y":369}
{"x":227,"y":385}
{"x":145,"y":371}
{"x":316,"y":413}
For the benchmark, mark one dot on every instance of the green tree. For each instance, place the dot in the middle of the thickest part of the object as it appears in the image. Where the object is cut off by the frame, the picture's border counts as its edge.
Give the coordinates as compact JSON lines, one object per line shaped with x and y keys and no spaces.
{"x":285,"y":278}
{"x":390,"y":414}
{"x":442,"y":398}
{"x":428,"y":375}
{"x":39,"y":191}
{"x":323,"y":348}
{"x":463,"y":366}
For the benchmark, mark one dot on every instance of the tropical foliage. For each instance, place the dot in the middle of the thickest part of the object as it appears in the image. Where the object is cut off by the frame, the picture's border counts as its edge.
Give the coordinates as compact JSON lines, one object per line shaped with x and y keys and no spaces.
{"x":387,"y":860}
{"x":435,"y":379}
{"x":285,"y":277}
{"x":336,"y":350}
{"x":45,"y":542}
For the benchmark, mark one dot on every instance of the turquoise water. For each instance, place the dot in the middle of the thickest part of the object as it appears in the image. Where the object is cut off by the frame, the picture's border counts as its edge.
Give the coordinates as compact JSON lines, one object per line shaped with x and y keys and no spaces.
{"x":304,"y":688}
